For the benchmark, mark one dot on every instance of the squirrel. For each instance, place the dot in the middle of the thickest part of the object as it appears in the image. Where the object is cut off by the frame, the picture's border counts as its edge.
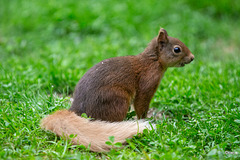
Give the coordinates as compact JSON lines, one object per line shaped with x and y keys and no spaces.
{"x":107,"y":90}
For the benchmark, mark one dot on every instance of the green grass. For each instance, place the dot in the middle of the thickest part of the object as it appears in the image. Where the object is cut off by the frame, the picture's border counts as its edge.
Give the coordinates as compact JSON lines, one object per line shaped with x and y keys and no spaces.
{"x":46,"y":46}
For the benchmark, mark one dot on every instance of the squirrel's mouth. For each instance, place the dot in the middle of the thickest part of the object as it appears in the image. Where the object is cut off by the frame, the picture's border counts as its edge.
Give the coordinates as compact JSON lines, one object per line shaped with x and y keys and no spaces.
{"x":179,"y":65}
{"x":182,"y":64}
{"x":185,"y":62}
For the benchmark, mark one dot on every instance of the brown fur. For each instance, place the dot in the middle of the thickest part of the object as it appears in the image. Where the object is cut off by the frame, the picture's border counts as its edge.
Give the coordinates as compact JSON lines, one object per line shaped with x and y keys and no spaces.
{"x":95,"y":133}
{"x":107,"y":90}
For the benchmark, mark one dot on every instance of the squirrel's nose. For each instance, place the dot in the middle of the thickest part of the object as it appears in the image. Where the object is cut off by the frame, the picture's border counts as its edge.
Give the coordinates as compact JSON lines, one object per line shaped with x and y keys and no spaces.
{"x":192,"y":57}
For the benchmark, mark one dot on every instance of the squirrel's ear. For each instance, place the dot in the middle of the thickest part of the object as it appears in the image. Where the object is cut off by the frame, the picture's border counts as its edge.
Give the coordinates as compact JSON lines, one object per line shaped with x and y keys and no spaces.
{"x":162,"y":36}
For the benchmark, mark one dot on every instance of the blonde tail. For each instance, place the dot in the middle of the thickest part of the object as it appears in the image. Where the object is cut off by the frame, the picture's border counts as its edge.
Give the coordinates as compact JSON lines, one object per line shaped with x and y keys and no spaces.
{"x":96,"y":133}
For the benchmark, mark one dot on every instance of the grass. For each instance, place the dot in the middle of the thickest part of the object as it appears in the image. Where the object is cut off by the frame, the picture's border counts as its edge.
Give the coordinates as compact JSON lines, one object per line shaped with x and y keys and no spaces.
{"x":46,"y":46}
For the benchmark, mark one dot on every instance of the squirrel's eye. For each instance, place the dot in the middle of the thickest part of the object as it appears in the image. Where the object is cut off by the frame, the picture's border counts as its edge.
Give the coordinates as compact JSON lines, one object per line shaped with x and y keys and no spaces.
{"x":177,"y":50}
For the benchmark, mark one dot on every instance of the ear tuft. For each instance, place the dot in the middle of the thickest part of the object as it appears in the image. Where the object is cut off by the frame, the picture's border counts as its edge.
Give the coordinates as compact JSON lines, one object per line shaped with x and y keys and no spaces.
{"x":162,"y":36}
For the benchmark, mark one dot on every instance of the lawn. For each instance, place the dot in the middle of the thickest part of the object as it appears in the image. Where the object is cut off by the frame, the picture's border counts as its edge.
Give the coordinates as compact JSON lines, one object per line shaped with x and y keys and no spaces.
{"x":46,"y":46}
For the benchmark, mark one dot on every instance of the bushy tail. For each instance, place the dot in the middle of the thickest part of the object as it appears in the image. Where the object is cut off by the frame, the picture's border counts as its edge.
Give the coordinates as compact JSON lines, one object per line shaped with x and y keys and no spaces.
{"x":96,"y":133}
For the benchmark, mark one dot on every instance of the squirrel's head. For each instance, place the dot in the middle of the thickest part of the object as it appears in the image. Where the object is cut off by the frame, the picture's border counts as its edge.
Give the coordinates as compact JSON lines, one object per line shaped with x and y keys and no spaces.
{"x":172,"y":52}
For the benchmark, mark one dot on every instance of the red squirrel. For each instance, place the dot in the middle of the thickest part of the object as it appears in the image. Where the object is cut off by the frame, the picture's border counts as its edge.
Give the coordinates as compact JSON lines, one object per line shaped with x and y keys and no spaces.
{"x":107,"y":90}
